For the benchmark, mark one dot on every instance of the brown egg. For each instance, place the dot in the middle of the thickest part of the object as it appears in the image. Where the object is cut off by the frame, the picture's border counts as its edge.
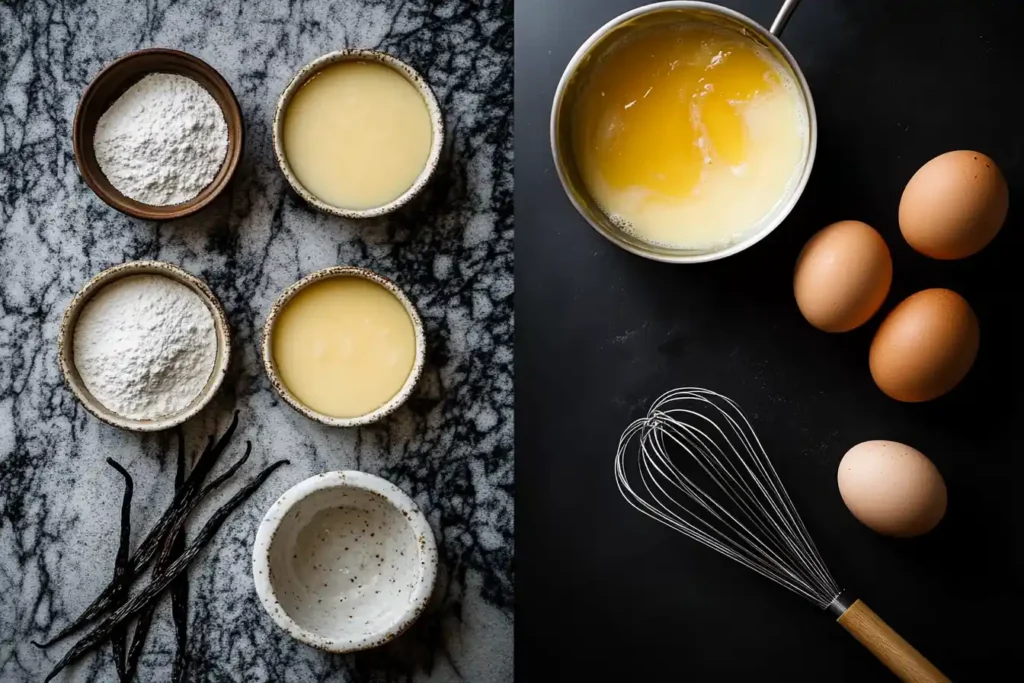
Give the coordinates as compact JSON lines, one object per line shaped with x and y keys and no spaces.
{"x":925,"y":346}
{"x":954,"y":205}
{"x":892,"y":488}
{"x":842,"y":276}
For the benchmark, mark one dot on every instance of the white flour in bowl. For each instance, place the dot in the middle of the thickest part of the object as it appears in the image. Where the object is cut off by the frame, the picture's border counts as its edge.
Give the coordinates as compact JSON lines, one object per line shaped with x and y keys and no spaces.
{"x":145,"y":346}
{"x":163,"y":141}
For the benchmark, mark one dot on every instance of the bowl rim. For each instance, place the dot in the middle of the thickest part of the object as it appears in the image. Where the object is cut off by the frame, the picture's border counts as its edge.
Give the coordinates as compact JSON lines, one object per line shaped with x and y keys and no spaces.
{"x":65,"y":344}
{"x":411,"y":75}
{"x":403,"y":394}
{"x":779,"y":213}
{"x":266,"y":534}
{"x":236,"y":142}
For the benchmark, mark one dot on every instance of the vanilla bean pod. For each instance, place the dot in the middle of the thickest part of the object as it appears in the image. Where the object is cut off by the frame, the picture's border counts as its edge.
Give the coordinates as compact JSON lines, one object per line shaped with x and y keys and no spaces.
{"x":117,"y":638}
{"x":179,"y":614}
{"x":176,"y":535}
{"x":160,"y":582}
{"x":179,"y":587}
{"x":182,"y":504}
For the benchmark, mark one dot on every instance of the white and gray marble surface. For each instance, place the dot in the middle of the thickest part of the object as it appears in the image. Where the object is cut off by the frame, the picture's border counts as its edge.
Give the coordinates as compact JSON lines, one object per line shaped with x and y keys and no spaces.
{"x":450,"y":447}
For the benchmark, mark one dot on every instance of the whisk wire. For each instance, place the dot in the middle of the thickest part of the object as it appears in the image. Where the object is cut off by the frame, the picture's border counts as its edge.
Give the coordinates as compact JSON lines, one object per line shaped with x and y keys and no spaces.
{"x":753,"y":521}
{"x":777,"y":539}
{"x":711,"y":506}
{"x":722,"y":465}
{"x":771,"y":570}
{"x":742,"y":543}
{"x":795,"y":534}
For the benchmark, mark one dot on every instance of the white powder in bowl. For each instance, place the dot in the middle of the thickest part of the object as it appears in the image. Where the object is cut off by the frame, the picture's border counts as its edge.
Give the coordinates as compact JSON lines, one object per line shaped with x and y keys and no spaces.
{"x":163,"y":141}
{"x":145,"y":346}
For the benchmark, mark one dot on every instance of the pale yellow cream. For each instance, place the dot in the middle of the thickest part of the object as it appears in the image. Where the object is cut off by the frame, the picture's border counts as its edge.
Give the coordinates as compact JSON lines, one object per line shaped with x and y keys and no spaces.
{"x":357,"y":135}
{"x":344,"y":346}
{"x":688,"y":136}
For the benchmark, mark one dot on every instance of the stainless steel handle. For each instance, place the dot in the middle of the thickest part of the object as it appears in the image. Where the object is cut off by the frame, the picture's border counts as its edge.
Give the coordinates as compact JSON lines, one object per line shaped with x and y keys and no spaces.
{"x":782,"y":18}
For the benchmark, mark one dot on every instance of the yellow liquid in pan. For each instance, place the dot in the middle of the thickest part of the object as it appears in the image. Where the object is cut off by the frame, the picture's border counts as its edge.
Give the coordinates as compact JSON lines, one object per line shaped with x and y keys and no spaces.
{"x":344,"y":346}
{"x":357,"y":135}
{"x":688,"y":136}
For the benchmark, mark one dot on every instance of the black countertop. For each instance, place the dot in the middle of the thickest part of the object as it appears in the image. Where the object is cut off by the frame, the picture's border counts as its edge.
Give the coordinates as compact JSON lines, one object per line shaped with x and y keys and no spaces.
{"x":601,"y":333}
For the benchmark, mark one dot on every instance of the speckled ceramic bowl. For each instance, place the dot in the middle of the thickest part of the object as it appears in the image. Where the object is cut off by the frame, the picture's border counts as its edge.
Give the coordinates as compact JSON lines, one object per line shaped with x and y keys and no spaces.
{"x":436,"y":120}
{"x":270,"y":366}
{"x":344,"y":561}
{"x":66,"y":346}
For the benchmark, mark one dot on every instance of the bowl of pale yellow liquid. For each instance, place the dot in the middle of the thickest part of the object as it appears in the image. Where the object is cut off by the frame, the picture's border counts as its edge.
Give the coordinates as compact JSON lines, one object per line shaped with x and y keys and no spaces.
{"x":358,"y":133}
{"x":344,"y":346}
{"x":684,"y":131}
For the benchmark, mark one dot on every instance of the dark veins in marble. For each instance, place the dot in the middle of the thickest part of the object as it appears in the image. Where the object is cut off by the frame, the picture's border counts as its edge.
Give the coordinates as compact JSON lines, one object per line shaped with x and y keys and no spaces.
{"x":450,"y":447}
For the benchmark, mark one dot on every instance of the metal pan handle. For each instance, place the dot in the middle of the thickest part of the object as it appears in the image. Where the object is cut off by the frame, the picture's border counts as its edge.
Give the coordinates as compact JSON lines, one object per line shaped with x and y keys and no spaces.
{"x":782,"y":18}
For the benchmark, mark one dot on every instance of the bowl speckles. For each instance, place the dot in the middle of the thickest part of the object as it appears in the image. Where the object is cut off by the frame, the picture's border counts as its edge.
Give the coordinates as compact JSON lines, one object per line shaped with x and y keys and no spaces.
{"x":344,"y":561}
{"x":270,"y":367}
{"x":436,"y":122}
{"x":66,"y":346}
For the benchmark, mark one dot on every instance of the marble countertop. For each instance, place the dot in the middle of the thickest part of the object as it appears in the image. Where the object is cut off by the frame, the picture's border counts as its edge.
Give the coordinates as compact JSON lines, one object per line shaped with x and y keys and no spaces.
{"x":450,"y":447}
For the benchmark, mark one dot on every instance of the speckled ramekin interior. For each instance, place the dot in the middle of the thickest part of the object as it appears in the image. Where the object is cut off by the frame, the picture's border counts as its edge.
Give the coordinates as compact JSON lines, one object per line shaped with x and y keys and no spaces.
{"x":376,"y":579}
{"x":66,"y":346}
{"x":433,"y":108}
{"x":270,"y":366}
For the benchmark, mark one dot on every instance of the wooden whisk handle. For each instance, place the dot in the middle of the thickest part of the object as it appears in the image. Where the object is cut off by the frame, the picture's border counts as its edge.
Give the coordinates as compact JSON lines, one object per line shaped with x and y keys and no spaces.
{"x":890,"y":648}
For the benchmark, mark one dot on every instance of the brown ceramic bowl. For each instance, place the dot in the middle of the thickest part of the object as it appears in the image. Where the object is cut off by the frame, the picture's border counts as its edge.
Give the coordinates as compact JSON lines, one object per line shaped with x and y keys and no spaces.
{"x":66,"y":344}
{"x":111,"y":83}
{"x":270,"y":365}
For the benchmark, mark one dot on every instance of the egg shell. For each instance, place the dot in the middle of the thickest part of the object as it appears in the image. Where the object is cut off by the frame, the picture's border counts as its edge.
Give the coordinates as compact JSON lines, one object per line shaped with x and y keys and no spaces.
{"x":954,"y":205}
{"x":925,"y":346}
{"x":842,"y":276}
{"x":892,"y":488}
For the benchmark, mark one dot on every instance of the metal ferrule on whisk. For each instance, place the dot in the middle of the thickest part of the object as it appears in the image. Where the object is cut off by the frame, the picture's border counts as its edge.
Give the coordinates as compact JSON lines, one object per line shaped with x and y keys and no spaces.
{"x":840,"y":603}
